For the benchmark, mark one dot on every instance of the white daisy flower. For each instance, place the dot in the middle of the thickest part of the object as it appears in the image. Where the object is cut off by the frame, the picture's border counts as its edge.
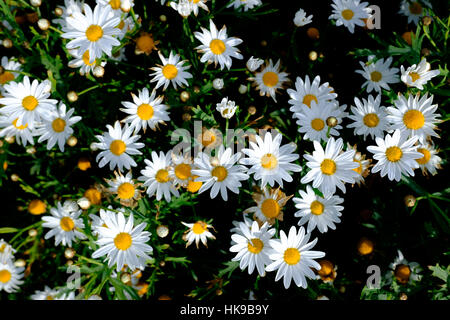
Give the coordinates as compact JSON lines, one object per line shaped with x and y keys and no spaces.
{"x":301,"y":19}
{"x":56,"y":128}
{"x":418,"y":75}
{"x":414,"y":117}
{"x":349,"y":13}
{"x":395,"y":155}
{"x":403,"y":270}
{"x":414,"y":10}
{"x":269,"y":205}
{"x":125,"y":188}
{"x":23,"y":134}
{"x":171,"y":71}
{"x":68,"y":9}
{"x":363,"y":164}
{"x":123,"y":243}
{"x":9,"y":74}
{"x":369,"y":117}
{"x":6,"y":251}
{"x":252,"y":247}
{"x":244,"y":4}
{"x":10,"y":276}
{"x":319,"y":212}
{"x":157,"y":178}
{"x":181,"y":169}
{"x":217,"y":47}
{"x":125,"y":25}
{"x":99,"y":221}
{"x":83,"y":62}
{"x":227,"y":108}
{"x":197,"y":232}
{"x":93,"y":31}
{"x":378,"y":74}
{"x":330,"y":167}
{"x":183,"y":7}
{"x":119,"y":55}
{"x":195,"y":4}
{"x":220,"y":173}
{"x":117,"y":5}
{"x":254,"y":63}
{"x":237,"y":225}
{"x":293,"y":258}
{"x":270,"y":79}
{"x":430,"y":161}
{"x":46,"y":294}
{"x":27,"y":102}
{"x":117,"y":145}
{"x":145,"y":110}
{"x":306,"y":91}
{"x":64,"y":223}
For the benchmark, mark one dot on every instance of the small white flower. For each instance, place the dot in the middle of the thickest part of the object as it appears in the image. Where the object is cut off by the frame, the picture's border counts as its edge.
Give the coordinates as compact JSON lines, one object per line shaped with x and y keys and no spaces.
{"x":418,"y":75}
{"x":244,"y":4}
{"x":10,"y":276}
{"x":270,"y":79}
{"x":197,"y":232}
{"x":414,"y":10}
{"x":6,"y":251}
{"x":254,"y":63}
{"x":349,"y":13}
{"x":378,"y":74}
{"x":301,"y":19}
{"x":227,"y":108}
{"x":47,"y":294}
{"x":430,"y":161}
{"x":183,"y":7}
{"x":218,"y":83}
{"x":403,"y":271}
{"x":172,"y":71}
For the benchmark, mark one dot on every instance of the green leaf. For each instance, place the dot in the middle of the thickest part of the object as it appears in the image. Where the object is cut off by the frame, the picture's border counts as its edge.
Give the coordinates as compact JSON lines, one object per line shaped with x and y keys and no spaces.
{"x":440,"y":273}
{"x":8,"y":230}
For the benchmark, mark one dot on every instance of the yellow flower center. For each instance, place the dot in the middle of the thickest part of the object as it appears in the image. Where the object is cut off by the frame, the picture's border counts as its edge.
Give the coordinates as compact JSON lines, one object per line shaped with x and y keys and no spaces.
{"x":121,"y":25}
{"x":317,"y":208}
{"x":365,"y":246}
{"x":414,"y":76}
{"x":402,"y":273}
{"x":347,"y":14}
{"x":145,"y":43}
{"x":162,"y":176}
{"x":270,"y":79}
{"x":126,"y":190}
{"x":5,"y":276}
{"x":117,"y":147}
{"x":37,"y":207}
{"x":86,"y":58}
{"x":199,"y":227}
{"x":376,"y":76}
{"x":194,"y":186}
{"x":307,"y":99}
{"x":328,"y":167}
{"x":360,"y":168}
{"x":67,"y":224}
{"x":426,"y":156}
{"x":415,"y":8}
{"x":371,"y":120}
{"x":94,"y":33}
{"x":394,"y":154}
{"x":183,"y":171}
{"x":269,"y":161}
{"x":170,"y":71}
{"x":6,"y":77}
{"x":255,"y":246}
{"x":115,"y":4}
{"x":217,"y":46}
{"x":413,"y":119}
{"x":123,"y":241}
{"x":317,"y":124}
{"x":58,"y":125}
{"x":145,"y":111}
{"x":291,"y":256}
{"x":208,"y":137}
{"x":2,"y":248}
{"x":22,"y":127}
{"x":326,"y":268}
{"x":93,"y":195}
{"x":220,"y":173}
{"x":30,"y":103}
{"x":84,"y":164}
{"x":49,"y":298}
{"x":270,"y":208}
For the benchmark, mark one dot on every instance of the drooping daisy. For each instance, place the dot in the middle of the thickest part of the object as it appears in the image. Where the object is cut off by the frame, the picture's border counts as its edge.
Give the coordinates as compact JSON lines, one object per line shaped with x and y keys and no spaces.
{"x":269,"y":161}
{"x":414,"y":117}
{"x":10,"y":276}
{"x":301,"y":19}
{"x":64,"y":223}
{"x":270,"y":79}
{"x":93,"y":31}
{"x":418,"y":75}
{"x":292,"y":257}
{"x":27,"y":102}
{"x":349,"y":13}
{"x":23,"y":134}
{"x":145,"y":110}
{"x":330,"y":167}
{"x":253,"y":64}
{"x":83,"y":62}
{"x":414,"y":9}
{"x":123,"y":243}
{"x":99,"y":221}
{"x":306,"y":91}
{"x":244,"y":4}
{"x":117,"y":145}
{"x":6,"y":251}
{"x":56,"y":128}
{"x":369,"y":117}
{"x":126,"y":189}
{"x":172,"y":71}
{"x":46,"y":294}
{"x":217,"y":47}
{"x":403,"y":271}
{"x":183,"y":7}
{"x":430,"y":161}
{"x":363,"y":164}
{"x":156,"y":176}
{"x":395,"y":155}
{"x":181,"y":169}
{"x":252,"y":247}
{"x":197,"y":232}
{"x":220,"y":173}
{"x":227,"y":108}
{"x":8,"y":74}
{"x":319,"y":212}
{"x":378,"y":74}
{"x":269,"y":205}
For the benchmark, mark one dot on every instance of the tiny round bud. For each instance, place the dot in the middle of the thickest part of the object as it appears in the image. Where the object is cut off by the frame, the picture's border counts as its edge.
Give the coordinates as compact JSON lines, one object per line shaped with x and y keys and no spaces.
{"x":7,"y":43}
{"x":35,"y":3}
{"x":93,"y":146}
{"x":72,"y":141}
{"x":332,"y":122}
{"x":426,"y":52}
{"x":184,"y":237}
{"x":219,"y":292}
{"x":186,"y":117}
{"x":403,"y":296}
{"x":312,"y":56}
{"x":69,"y":253}
{"x":251,"y":110}
{"x":218,"y":83}
{"x":196,"y":89}
{"x":84,"y":203}
{"x":163,"y":18}
{"x":162,"y":231}
{"x":32,"y":233}
{"x":59,"y":11}
{"x":20,"y":263}
{"x":98,"y":71}
{"x":125,"y":6}
{"x":43,"y":24}
{"x":313,"y":33}
{"x":10,"y":139}
{"x":84,"y":164}
{"x":162,"y":263}
{"x":69,"y":262}
{"x":47,"y":86}
{"x":31,"y":150}
{"x":242,"y":89}
{"x":72,"y":96}
{"x":184,"y":96}
{"x":14,"y":177}
{"x":126,"y":277}
{"x":365,"y":246}
{"x":427,"y":20}
{"x":410,"y":200}
{"x":263,"y":43}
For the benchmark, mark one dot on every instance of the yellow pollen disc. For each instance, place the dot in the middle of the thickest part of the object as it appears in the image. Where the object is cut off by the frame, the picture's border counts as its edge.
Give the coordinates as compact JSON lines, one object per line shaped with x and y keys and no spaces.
{"x":5,"y":276}
{"x":84,"y":164}
{"x":2,"y":248}
{"x":376,"y":76}
{"x":145,"y":43}
{"x":170,"y":71}
{"x":115,"y":4}
{"x":121,"y":25}
{"x":145,"y":111}
{"x":414,"y":76}
{"x":394,"y":154}
{"x":126,"y":191}
{"x":162,"y":176}
{"x":19,"y":127}
{"x":220,"y":173}
{"x":199,"y":227}
{"x":402,"y":273}
{"x":94,"y":32}
{"x":270,"y":208}
{"x":328,"y":167}
{"x":360,"y":168}
{"x":415,"y":8}
{"x":371,"y":120}
{"x":86,"y":58}
{"x":93,"y":195}
{"x":347,"y":14}
{"x":30,"y":103}
{"x":365,"y":247}
{"x":426,"y":156}
{"x":413,"y":119}
{"x":270,"y":79}
{"x":194,"y":186}
{"x":195,"y":1}
{"x":217,"y":46}
{"x":67,"y":224}
{"x":117,"y":147}
{"x":291,"y":256}
{"x":183,"y":171}
{"x":208,"y":137}
{"x":6,"y":77}
{"x":317,"y":124}
{"x":143,"y":290}
{"x":307,"y":99}
{"x":37,"y":207}
{"x":269,"y":161}
{"x":317,"y":208}
{"x":255,"y":246}
{"x":123,"y":241}
{"x":58,"y":125}
{"x":326,"y":267}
